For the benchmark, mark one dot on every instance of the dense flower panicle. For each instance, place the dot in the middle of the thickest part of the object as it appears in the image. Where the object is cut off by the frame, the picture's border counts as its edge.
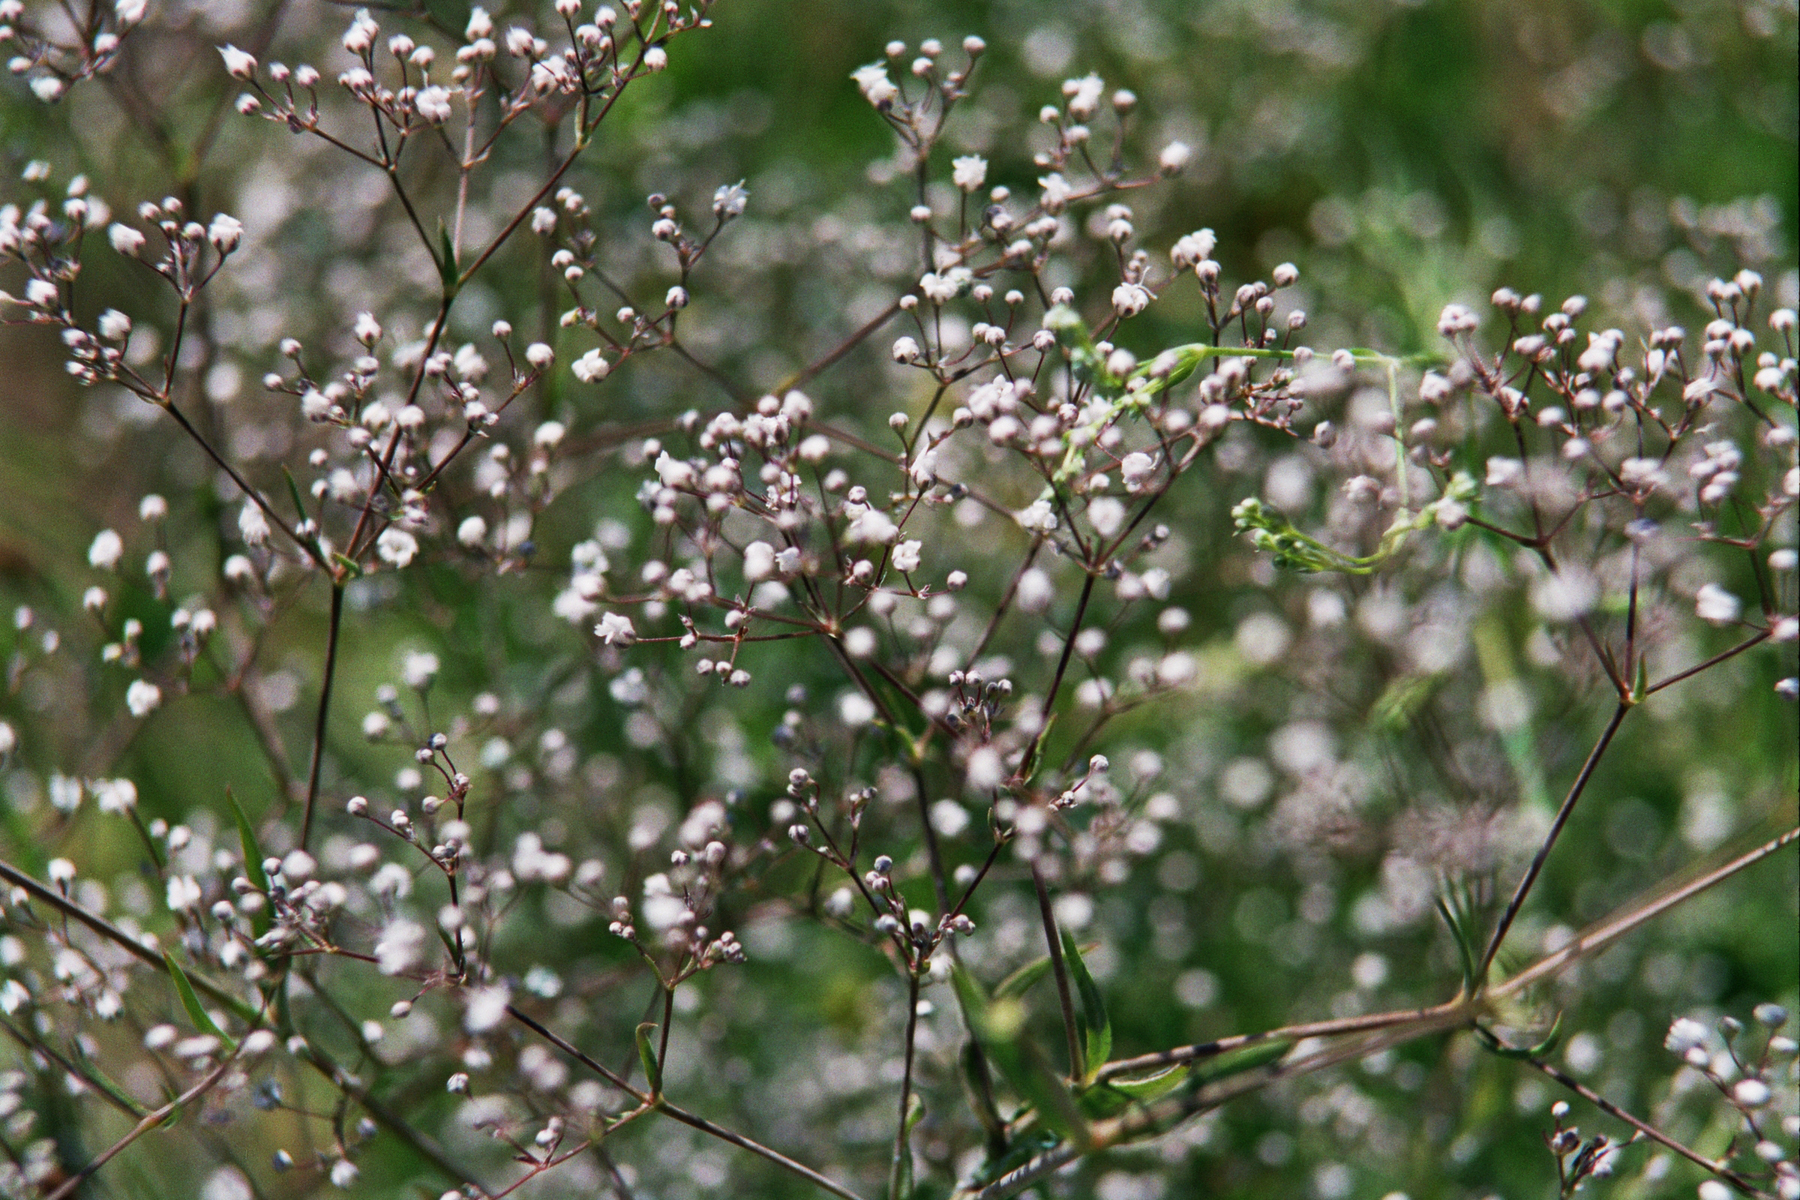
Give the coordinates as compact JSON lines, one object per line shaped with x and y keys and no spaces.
{"x":1090,"y":703}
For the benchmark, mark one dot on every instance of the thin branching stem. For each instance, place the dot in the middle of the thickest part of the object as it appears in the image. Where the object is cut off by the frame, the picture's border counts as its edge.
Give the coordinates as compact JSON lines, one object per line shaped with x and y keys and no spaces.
{"x":327,"y":675}
{"x":1556,"y":826}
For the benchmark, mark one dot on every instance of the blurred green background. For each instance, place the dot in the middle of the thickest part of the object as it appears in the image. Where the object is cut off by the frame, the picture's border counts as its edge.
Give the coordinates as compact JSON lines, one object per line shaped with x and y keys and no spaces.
{"x":1403,"y":154}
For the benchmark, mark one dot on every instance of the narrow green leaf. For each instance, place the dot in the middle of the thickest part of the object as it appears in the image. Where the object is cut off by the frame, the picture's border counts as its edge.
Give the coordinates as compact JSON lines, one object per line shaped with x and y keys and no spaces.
{"x":1236,"y":1062}
{"x":98,"y":1077}
{"x":1028,"y":768}
{"x":1464,"y":951}
{"x":1092,"y":1022}
{"x":978,"y":1089}
{"x":1150,"y":1087}
{"x":253,"y":861}
{"x":191,"y":1002}
{"x":1021,"y":980}
{"x":294,"y":492}
{"x":253,"y":855}
{"x":1000,"y":1026}
{"x":446,"y":257}
{"x":1493,"y":1043}
{"x":969,"y":995}
{"x":1116,"y":1095}
{"x":647,"y":1055}
{"x":901,"y":1181}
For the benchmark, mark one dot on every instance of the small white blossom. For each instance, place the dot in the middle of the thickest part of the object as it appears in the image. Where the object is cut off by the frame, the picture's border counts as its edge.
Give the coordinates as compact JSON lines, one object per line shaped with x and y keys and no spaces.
{"x":1457,"y":318}
{"x":433,"y":103}
{"x":1716,"y":605}
{"x":730,"y":201}
{"x":396,"y":546}
{"x":871,"y":525}
{"x":115,"y":796}
{"x":1106,"y":514}
{"x":1641,"y":472}
{"x":239,"y":64}
{"x":1136,"y":470}
{"x":1084,"y":95}
{"x":184,"y":893}
{"x":1130,"y":299}
{"x":225,"y":232}
{"x":591,"y":367}
{"x":486,"y":1008}
{"x":969,"y":173}
{"x":106,"y":550}
{"x":419,"y":668}
{"x":615,"y":629}
{"x":253,"y":525}
{"x":1751,"y":1093}
{"x":125,"y":239}
{"x":142,"y":697}
{"x":400,"y":947}
{"x":873,"y":82}
{"x":114,"y":325}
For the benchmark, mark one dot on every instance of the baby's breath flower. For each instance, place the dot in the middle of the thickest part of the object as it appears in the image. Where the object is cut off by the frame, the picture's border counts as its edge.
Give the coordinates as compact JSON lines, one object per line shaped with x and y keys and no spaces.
{"x":969,"y":173}
{"x":106,"y":550}
{"x":615,"y":629}
{"x":396,"y":546}
{"x":142,"y":697}
{"x":433,"y":103}
{"x":253,"y":525}
{"x":873,"y":82}
{"x":238,"y":63}
{"x":225,"y":232}
{"x":1130,"y":299}
{"x":591,"y":367}
{"x":1716,"y":605}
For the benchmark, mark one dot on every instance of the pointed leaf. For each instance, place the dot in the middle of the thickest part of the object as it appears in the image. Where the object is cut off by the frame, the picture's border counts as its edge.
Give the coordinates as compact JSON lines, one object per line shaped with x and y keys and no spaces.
{"x":1021,"y":980}
{"x":1493,"y":1043}
{"x":253,"y":861}
{"x":1093,"y":1024}
{"x":191,"y":1002}
{"x":446,"y":257}
{"x":978,"y":1089}
{"x":294,"y":492}
{"x":1236,"y":1062}
{"x":647,"y":1055}
{"x":900,"y":1182}
{"x":1116,"y":1095}
{"x":969,"y":995}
